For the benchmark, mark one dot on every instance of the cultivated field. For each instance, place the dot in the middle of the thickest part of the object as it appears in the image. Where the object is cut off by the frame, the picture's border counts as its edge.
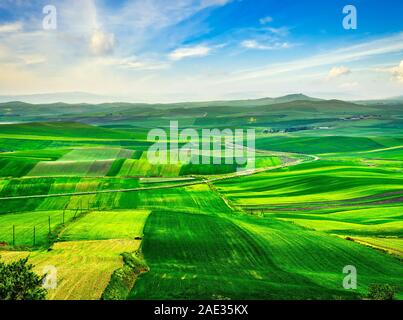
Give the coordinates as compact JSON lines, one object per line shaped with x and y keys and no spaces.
{"x":78,"y":192}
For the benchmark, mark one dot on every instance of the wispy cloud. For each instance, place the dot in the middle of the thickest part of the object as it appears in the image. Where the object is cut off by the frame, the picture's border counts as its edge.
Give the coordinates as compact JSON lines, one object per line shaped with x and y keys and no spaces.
{"x":357,"y":52}
{"x":32,"y":59}
{"x":254,"y":44}
{"x":336,"y":72}
{"x":158,"y":14}
{"x":102,"y":43}
{"x":133,"y":63}
{"x":212,"y":3}
{"x":266,"y":20}
{"x":397,"y":72}
{"x":11,"y":27}
{"x":281,"y":31}
{"x":187,"y":52}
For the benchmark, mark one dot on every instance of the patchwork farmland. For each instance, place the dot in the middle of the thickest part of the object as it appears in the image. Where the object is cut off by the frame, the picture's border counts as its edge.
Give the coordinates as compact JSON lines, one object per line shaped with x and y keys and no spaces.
{"x":78,"y":192}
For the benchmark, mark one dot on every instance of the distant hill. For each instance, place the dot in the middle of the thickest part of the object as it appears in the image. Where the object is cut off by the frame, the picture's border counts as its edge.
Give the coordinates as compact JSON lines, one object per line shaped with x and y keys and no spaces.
{"x":388,"y":101}
{"x":89,"y":98}
{"x":17,"y":111}
{"x":294,"y":97}
{"x":66,"y":97}
{"x":249,"y":102}
{"x":203,"y":111}
{"x":290,"y":115}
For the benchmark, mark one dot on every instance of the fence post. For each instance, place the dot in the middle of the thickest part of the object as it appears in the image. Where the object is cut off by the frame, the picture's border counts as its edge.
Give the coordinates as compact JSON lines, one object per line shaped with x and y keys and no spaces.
{"x":64,"y":210}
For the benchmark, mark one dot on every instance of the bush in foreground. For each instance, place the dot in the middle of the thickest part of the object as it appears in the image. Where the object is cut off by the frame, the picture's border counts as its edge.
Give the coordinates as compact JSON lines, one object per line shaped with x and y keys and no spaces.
{"x":19,"y":282}
{"x":381,"y":292}
{"x":123,"y":279}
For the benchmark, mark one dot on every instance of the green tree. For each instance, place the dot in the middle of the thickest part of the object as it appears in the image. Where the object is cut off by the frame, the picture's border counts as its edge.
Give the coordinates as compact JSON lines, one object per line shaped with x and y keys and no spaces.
{"x":19,"y":282}
{"x":381,"y":292}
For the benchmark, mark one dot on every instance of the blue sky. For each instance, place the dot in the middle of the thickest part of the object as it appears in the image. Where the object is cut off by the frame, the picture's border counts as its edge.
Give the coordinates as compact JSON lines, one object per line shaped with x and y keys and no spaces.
{"x":162,"y":50}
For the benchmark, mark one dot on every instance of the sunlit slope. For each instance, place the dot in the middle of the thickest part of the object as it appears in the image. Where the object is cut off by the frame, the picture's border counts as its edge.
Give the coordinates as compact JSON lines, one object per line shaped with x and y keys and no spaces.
{"x":320,"y":181}
{"x":49,"y":135}
{"x":317,"y":145}
{"x":84,"y":268}
{"x":207,"y":257}
{"x":103,"y":225}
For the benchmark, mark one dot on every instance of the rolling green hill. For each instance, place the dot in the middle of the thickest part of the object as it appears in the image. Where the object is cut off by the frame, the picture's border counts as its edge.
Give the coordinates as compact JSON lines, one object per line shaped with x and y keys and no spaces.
{"x":77,"y":191}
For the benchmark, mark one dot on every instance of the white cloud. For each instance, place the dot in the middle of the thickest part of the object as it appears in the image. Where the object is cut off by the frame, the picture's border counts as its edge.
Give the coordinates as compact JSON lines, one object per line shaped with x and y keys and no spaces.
{"x":10,"y":27}
{"x":353,"y":53}
{"x":78,"y":16}
{"x":397,"y":72}
{"x":30,"y":59}
{"x":11,"y":56}
{"x":158,"y":14}
{"x":253,"y":44}
{"x":282,"y":31}
{"x":336,"y":72}
{"x":266,"y":20}
{"x":133,"y":63}
{"x":213,"y":3}
{"x":187,"y":52}
{"x":102,"y":43}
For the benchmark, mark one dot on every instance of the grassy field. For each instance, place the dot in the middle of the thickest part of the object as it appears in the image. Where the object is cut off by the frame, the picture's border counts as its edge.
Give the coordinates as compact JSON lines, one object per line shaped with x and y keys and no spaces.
{"x":97,"y":154}
{"x":320,"y":181}
{"x":77,"y":191}
{"x":16,"y":168}
{"x":209,"y":257}
{"x":106,"y":225}
{"x":95,"y":168}
{"x":24,"y":224}
{"x":84,"y":268}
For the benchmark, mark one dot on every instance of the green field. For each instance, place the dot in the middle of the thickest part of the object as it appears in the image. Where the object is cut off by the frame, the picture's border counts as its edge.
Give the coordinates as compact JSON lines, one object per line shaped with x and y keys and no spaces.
{"x":252,"y":258}
{"x":107,"y":225}
{"x":326,"y":192}
{"x":84,"y":268}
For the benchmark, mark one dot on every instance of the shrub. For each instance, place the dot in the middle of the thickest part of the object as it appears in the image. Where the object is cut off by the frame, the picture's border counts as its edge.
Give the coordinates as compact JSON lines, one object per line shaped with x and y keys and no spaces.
{"x":381,"y":292}
{"x":122,"y":280}
{"x":19,"y":282}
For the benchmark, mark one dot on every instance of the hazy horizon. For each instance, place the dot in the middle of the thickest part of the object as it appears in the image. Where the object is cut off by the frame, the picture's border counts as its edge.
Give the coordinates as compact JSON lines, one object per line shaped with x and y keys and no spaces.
{"x":92,"y":98}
